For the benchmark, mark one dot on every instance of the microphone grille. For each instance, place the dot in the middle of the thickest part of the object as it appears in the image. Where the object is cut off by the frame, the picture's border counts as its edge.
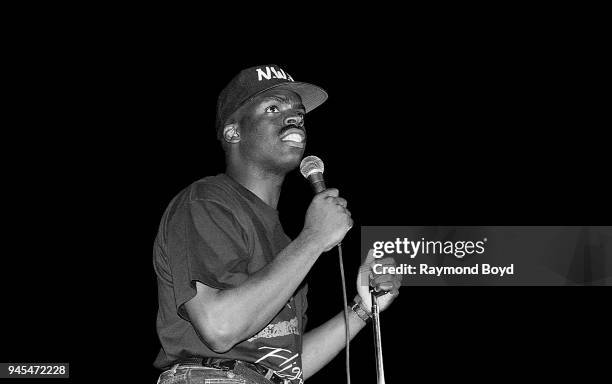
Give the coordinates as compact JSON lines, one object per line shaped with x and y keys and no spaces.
{"x":310,"y":165}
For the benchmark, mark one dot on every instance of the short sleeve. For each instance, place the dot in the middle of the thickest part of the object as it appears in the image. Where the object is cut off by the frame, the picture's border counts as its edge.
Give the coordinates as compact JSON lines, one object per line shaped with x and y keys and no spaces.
{"x":208,"y":245}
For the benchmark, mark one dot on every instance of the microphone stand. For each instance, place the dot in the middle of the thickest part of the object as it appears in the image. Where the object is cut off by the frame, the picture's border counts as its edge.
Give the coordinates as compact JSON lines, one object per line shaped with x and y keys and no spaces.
{"x":380,"y":371}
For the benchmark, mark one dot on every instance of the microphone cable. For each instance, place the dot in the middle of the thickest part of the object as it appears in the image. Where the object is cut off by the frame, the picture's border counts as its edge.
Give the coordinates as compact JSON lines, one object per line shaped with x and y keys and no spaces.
{"x":312,"y":169}
{"x":346,"y":317}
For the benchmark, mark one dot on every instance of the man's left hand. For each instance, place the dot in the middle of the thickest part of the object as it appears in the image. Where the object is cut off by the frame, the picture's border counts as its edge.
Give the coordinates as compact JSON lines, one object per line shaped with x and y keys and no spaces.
{"x":382,"y":282}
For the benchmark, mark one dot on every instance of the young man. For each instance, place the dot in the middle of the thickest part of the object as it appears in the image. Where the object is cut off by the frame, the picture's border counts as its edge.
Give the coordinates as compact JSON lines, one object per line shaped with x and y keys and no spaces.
{"x":231,"y":296}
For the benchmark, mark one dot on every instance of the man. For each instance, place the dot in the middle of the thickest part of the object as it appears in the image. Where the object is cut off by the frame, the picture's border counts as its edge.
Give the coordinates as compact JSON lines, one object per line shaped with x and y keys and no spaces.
{"x":231,"y":296}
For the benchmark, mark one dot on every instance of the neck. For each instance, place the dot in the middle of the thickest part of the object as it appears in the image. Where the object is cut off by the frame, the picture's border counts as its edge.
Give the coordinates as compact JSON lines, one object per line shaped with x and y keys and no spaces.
{"x":265,"y":185}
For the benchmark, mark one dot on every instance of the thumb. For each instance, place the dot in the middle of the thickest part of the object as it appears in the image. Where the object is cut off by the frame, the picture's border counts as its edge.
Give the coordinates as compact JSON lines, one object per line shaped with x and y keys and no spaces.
{"x":329,"y":192}
{"x":365,"y":271}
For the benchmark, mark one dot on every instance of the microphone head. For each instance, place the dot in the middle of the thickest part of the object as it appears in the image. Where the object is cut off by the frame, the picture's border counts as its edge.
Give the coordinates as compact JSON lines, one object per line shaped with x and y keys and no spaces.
{"x":310,"y":165}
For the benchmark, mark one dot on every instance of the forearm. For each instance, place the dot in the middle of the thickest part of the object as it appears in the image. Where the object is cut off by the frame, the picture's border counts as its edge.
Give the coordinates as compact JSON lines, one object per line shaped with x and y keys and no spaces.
{"x":323,"y":343}
{"x":246,"y":309}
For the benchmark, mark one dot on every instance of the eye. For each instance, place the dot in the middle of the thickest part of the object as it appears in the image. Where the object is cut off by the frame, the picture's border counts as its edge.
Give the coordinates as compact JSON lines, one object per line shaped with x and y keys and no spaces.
{"x":272,"y":109}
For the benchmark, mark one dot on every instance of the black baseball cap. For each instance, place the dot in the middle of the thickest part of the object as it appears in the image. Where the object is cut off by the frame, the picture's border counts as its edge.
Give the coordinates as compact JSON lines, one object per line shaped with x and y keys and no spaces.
{"x":252,"y":81}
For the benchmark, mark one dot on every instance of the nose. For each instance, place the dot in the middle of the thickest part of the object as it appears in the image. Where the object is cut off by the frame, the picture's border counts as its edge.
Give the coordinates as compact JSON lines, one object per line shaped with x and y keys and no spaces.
{"x":295,"y":119}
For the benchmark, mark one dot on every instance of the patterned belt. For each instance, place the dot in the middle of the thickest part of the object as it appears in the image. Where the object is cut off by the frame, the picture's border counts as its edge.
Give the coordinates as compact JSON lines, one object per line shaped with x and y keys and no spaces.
{"x":255,"y":372}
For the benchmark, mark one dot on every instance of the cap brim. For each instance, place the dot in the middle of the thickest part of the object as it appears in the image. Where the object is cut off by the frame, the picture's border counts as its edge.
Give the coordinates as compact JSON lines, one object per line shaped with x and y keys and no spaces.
{"x":311,"y":95}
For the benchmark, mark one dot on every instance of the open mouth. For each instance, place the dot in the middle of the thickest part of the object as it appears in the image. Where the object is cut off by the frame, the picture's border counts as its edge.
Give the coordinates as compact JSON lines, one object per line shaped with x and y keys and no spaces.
{"x":294,"y":136}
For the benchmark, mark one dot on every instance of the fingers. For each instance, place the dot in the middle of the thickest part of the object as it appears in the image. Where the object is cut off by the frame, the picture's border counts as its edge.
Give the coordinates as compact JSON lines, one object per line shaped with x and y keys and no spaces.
{"x":340,"y":201}
{"x":332,"y":194}
{"x":369,"y":258}
{"x":385,"y":282}
{"x":391,"y":286}
{"x":328,"y":219}
{"x":329,"y":192}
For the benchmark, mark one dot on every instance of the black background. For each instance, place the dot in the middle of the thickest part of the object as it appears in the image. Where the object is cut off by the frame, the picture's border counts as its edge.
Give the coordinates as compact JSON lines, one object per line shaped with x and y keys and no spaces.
{"x":468,"y":128}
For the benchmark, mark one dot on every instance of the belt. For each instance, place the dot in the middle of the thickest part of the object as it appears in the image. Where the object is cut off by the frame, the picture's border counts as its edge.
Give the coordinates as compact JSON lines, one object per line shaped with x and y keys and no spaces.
{"x":251,"y":371}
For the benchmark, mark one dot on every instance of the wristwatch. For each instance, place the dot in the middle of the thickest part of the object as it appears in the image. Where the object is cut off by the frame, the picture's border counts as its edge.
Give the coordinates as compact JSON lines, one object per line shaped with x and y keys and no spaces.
{"x":363,"y":314}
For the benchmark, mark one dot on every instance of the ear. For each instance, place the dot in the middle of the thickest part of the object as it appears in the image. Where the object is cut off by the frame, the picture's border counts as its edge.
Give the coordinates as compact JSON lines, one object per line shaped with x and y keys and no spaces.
{"x":231,"y":134}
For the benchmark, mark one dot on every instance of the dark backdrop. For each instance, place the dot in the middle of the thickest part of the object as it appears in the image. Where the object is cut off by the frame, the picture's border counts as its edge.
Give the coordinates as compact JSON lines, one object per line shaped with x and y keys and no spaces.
{"x":466,"y":137}
{"x":454,"y":131}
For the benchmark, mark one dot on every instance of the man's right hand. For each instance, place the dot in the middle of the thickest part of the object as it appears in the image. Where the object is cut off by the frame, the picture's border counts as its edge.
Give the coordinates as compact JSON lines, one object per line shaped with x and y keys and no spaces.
{"x":327,"y":219}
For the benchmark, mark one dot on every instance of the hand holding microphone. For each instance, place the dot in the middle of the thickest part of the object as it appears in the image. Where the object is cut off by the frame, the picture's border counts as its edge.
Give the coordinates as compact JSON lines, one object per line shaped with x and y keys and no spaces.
{"x":327,"y":218}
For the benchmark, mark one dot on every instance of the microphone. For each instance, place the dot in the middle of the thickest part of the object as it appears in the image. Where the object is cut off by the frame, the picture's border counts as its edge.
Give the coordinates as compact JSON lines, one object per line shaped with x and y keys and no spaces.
{"x":312,"y":169}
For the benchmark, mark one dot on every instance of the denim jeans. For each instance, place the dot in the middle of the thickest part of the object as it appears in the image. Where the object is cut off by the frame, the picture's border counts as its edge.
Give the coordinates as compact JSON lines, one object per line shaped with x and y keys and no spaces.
{"x":187,"y":374}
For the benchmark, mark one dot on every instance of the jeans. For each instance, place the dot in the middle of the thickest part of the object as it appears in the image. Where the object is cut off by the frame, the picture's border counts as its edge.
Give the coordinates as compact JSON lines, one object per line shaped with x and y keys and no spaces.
{"x":187,"y":374}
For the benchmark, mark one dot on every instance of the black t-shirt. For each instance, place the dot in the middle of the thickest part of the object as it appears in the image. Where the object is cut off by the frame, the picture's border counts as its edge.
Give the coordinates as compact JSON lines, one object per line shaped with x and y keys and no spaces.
{"x":218,"y":232}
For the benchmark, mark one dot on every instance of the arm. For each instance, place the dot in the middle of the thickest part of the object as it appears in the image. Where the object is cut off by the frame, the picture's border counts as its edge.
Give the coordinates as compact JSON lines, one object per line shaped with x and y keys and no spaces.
{"x":323,"y":343}
{"x":224,"y":318}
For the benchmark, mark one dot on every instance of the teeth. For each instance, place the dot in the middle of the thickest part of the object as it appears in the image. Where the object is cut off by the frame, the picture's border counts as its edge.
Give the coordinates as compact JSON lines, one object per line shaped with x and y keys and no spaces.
{"x":293,"y":137}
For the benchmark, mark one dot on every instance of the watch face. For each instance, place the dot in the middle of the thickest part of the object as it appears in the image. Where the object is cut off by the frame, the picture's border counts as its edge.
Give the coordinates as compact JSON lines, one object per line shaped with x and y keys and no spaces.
{"x":363,"y":315}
